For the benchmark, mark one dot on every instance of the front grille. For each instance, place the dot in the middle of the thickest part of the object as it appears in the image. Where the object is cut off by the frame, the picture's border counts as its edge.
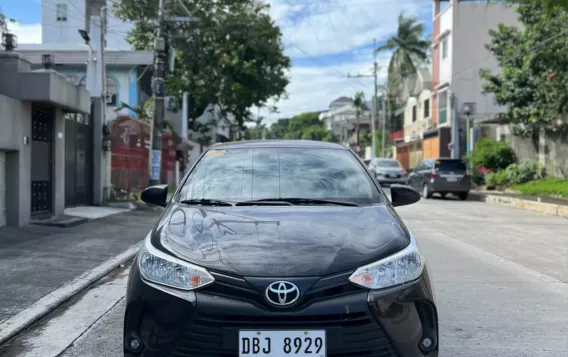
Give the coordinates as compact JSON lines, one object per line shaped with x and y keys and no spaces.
{"x":347,"y":335}
{"x":324,"y":288}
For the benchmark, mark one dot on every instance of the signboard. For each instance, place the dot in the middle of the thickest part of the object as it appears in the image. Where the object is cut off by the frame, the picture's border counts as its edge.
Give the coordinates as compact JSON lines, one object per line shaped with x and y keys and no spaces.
{"x":156,"y":163}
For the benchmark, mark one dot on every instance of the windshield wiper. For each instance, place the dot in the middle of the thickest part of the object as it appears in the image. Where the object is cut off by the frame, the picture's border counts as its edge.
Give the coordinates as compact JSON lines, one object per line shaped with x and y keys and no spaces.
{"x":207,"y":202}
{"x":298,"y":201}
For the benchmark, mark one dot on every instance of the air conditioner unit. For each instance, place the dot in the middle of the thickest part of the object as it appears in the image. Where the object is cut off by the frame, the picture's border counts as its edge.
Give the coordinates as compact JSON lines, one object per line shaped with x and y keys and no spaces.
{"x":427,"y":123}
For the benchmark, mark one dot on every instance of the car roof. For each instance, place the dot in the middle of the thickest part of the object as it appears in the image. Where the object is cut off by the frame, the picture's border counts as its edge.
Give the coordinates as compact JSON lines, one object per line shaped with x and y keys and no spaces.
{"x":243,"y":144}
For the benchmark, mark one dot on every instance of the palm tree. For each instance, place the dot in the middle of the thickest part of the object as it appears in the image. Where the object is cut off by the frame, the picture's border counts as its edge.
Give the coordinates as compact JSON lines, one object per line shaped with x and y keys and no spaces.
{"x":360,"y":107}
{"x":409,"y":48}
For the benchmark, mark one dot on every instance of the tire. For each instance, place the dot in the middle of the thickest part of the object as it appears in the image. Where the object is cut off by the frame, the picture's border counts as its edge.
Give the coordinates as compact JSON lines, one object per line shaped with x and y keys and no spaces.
{"x":426,"y":192}
{"x":443,"y":195}
{"x":463,"y":195}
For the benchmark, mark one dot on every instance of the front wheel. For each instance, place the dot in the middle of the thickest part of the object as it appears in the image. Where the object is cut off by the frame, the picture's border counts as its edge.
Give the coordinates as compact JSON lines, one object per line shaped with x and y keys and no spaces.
{"x":426,"y":192}
{"x":463,"y":195}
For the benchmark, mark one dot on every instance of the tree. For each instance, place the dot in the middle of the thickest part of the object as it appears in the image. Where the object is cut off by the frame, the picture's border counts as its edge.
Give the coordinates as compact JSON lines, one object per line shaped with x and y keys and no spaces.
{"x":533,"y":84}
{"x":299,"y":123}
{"x":278,"y":129}
{"x":317,"y":132}
{"x":409,"y":48}
{"x":548,"y":5}
{"x":360,"y":107}
{"x":232,"y":58}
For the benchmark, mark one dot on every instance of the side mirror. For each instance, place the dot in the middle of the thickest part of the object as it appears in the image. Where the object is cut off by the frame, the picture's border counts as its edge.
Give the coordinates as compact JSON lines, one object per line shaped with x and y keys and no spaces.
{"x":155,"y":195}
{"x":403,"y":195}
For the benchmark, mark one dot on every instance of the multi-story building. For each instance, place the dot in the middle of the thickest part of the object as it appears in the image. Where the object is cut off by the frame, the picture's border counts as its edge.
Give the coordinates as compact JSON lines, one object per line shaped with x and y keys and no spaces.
{"x":61,"y":19}
{"x":417,"y":119}
{"x":459,"y":34}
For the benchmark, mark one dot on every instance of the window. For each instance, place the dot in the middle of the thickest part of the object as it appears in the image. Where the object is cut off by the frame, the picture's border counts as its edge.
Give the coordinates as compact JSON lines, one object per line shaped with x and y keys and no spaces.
{"x":450,"y":165}
{"x":445,"y":48}
{"x":414,"y":113}
{"x":426,"y":108}
{"x":264,"y":173}
{"x":61,"y":12}
{"x":111,"y":97}
{"x":83,"y":81}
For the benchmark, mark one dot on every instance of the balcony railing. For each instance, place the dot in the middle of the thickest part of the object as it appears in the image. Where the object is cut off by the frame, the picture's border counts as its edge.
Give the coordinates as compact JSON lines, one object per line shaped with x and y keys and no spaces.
{"x":397,"y":135}
{"x":442,"y":116}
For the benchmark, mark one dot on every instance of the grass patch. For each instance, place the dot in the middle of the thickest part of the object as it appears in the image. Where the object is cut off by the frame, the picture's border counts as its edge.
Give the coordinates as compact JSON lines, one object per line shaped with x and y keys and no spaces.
{"x":546,"y":187}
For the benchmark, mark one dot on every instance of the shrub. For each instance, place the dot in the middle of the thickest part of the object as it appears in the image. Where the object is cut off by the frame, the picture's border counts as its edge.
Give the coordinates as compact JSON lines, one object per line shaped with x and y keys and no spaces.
{"x":493,"y":155}
{"x":527,"y":170}
{"x":478,"y":179}
{"x":497,"y":178}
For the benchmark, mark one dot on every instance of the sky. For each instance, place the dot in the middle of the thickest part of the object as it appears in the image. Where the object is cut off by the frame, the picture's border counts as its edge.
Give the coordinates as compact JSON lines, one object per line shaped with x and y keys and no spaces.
{"x":326,"y":40}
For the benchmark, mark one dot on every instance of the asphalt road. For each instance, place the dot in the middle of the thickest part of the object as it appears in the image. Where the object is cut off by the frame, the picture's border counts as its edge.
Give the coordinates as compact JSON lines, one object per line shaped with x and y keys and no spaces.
{"x":500,"y":277}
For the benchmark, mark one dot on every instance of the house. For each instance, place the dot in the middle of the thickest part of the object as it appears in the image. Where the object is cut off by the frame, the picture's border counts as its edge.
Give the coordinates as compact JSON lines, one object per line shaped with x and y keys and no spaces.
{"x":341,"y":120}
{"x":35,"y":106}
{"x":128,"y":73}
{"x":459,"y":34}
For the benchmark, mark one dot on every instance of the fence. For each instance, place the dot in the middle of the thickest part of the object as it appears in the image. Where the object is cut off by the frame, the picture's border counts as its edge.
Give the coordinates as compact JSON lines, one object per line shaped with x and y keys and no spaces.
{"x":130,"y":156}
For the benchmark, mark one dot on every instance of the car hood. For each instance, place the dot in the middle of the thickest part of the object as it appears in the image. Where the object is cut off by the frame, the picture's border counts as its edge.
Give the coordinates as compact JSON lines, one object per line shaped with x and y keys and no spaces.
{"x":271,"y":241}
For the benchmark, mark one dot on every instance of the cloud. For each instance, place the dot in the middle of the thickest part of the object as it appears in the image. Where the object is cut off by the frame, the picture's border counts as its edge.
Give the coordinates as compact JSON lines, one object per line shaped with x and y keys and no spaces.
{"x":27,"y":33}
{"x":327,"y":39}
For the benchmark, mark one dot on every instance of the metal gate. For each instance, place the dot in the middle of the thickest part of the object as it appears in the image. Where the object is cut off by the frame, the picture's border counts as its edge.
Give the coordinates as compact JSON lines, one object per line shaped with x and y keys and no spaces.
{"x":78,"y":160}
{"x":42,"y":159}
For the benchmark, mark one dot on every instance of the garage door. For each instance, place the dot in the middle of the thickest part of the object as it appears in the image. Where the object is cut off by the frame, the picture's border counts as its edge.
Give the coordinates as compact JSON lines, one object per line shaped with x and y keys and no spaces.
{"x":2,"y":189}
{"x":431,"y":148}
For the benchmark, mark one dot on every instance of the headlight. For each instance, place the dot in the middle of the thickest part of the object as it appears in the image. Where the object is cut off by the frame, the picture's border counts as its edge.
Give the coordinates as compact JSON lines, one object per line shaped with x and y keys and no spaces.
{"x":164,"y":269}
{"x":399,"y":268}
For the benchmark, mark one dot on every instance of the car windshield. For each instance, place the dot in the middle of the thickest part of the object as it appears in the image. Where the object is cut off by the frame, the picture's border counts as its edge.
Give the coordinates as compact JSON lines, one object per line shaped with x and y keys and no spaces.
{"x":239,"y":175}
{"x":388,"y":163}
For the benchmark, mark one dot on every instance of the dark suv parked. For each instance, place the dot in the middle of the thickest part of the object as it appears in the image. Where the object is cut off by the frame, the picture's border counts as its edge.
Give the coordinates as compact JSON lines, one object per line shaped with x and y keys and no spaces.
{"x":441,"y":176}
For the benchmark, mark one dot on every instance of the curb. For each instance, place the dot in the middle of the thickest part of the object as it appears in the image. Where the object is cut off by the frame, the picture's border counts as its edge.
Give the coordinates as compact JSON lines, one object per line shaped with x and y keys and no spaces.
{"x":24,"y":319}
{"x":550,"y":209}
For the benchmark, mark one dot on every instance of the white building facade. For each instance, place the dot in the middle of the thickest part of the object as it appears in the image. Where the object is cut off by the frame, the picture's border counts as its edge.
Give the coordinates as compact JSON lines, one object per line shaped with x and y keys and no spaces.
{"x":459,"y":35}
{"x":61,"y":20}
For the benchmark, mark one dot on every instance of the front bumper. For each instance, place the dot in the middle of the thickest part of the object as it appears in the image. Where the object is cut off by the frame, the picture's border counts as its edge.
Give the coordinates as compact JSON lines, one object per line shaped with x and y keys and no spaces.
{"x":389,"y":323}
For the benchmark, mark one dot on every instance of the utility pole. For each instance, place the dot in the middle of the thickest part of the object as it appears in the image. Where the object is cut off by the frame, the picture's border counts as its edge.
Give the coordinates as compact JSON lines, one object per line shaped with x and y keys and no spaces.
{"x":374,"y":107}
{"x":158,"y":84}
{"x":161,"y":45}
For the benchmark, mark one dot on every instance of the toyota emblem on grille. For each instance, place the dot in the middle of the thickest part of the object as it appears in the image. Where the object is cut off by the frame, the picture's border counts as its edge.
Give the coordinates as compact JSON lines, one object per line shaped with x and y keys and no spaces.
{"x":282,"y":293}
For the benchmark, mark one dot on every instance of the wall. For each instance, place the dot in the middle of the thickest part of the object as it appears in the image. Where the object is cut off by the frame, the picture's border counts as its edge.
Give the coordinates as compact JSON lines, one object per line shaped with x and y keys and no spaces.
{"x":555,"y":151}
{"x":472,"y":22}
{"x":54,"y":31}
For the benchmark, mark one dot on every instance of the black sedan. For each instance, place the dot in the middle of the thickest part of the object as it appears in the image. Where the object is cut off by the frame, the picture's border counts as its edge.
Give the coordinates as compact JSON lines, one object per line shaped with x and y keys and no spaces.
{"x":280,"y":248}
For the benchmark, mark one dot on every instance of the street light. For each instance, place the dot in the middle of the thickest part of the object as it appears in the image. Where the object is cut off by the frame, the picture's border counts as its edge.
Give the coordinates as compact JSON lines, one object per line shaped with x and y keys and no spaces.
{"x":85,"y":35}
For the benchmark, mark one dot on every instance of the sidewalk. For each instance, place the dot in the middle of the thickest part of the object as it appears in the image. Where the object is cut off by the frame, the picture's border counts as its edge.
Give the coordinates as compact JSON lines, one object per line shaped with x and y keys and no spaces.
{"x":37,"y":260}
{"x":545,"y":205}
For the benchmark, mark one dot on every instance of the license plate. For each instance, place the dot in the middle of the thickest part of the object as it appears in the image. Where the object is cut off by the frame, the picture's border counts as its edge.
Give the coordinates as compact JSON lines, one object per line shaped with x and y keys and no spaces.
{"x":282,"y":343}
{"x":393,"y":175}
{"x":451,"y":178}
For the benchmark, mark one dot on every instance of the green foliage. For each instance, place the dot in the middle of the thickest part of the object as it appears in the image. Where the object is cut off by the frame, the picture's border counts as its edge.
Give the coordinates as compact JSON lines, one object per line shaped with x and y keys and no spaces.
{"x":493,"y":155}
{"x":527,"y":170}
{"x":300,"y":123}
{"x":278,"y":129}
{"x":232,"y":58}
{"x":547,"y":187}
{"x":366,"y":140}
{"x":533,"y":84}
{"x":548,"y":5}
{"x":305,"y":126}
{"x":497,"y":178}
